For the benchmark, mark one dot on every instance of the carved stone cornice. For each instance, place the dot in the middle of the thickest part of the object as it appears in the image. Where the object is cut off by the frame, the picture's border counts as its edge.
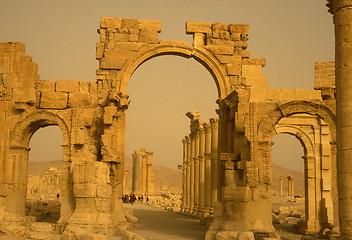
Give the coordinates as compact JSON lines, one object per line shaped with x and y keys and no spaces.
{"x":336,"y":5}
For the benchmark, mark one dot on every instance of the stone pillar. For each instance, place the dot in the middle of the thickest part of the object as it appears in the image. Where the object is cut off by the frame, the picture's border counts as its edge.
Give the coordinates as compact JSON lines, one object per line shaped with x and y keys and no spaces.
{"x":342,"y":11}
{"x":201,"y":171}
{"x":193,"y":147}
{"x":183,"y":167}
{"x":148,"y":183}
{"x":196,"y":174}
{"x":125,"y":177}
{"x":281,"y":186}
{"x":289,"y":185}
{"x":136,"y":174}
{"x":188,"y":175}
{"x":144,"y":173}
{"x":207,"y":180}
{"x":214,"y":161}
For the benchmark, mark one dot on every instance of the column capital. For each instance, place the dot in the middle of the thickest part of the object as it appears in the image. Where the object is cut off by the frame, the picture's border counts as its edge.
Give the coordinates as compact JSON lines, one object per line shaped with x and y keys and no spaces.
{"x":214,"y":122}
{"x":335,"y":5}
{"x":207,"y":127}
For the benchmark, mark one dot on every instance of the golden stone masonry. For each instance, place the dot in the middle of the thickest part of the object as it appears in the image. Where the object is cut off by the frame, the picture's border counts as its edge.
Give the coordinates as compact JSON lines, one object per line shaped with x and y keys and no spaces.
{"x":227,"y":161}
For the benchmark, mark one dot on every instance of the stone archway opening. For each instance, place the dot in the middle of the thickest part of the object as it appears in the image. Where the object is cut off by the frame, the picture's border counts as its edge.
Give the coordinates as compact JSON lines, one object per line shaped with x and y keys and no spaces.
{"x":287,"y":153}
{"x":44,"y":174}
{"x":288,"y":185}
{"x":175,"y":86}
{"x":314,"y":137}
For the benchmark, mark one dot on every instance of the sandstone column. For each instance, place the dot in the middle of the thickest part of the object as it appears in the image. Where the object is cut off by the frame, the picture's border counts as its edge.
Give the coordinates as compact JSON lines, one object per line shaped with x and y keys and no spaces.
{"x":144,"y":172}
{"x":193,"y":147}
{"x":183,"y":167}
{"x":214,"y":161}
{"x":201,"y":170}
{"x":136,"y":174}
{"x":281,"y":186}
{"x":149,"y":177}
{"x":207,"y":180}
{"x":188,"y":175}
{"x":342,"y":11}
{"x":196,"y":174}
{"x":289,"y":190}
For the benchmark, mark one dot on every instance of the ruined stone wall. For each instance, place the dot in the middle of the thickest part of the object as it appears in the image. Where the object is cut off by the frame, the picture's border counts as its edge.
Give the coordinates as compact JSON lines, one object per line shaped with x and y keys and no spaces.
{"x":90,"y":186}
{"x":91,"y":117}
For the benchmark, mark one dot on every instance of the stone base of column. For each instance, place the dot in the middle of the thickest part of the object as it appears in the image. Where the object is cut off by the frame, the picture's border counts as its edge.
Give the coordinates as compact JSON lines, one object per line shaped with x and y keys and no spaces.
{"x":238,"y":216}
{"x":308,"y":227}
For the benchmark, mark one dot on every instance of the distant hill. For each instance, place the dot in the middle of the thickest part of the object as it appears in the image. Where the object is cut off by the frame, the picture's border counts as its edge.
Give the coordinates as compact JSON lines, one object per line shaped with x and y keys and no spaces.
{"x":172,"y":178}
{"x":298,"y":179}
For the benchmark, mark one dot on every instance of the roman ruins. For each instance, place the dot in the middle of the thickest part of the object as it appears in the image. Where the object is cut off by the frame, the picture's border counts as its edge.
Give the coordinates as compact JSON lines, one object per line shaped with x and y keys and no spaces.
{"x":290,"y":188}
{"x":142,"y":175}
{"x":342,"y":19}
{"x":91,"y":116}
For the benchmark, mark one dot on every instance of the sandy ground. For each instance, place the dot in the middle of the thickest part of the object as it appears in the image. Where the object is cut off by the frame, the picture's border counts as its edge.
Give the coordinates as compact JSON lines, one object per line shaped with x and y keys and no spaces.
{"x":158,"y":224}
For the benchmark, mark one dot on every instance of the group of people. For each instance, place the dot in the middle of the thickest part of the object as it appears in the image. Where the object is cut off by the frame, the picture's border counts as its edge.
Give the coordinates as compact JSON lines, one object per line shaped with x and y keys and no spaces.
{"x":132,"y":198}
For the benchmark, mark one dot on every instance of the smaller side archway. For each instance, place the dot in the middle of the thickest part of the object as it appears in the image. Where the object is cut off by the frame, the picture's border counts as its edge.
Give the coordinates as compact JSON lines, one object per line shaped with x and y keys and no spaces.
{"x":17,"y":164}
{"x":317,"y":133}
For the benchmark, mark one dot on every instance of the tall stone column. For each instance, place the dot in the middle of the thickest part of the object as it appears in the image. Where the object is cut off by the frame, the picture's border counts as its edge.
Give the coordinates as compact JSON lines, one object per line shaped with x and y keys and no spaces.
{"x":201,"y":171}
{"x":183,"y":167}
{"x":207,"y":180}
{"x":342,"y":11}
{"x":144,"y":173}
{"x":196,"y":174}
{"x":214,"y":160}
{"x":188,"y":175}
{"x":149,"y":177}
{"x":136,"y":174}
{"x":193,"y":148}
{"x":281,"y":186}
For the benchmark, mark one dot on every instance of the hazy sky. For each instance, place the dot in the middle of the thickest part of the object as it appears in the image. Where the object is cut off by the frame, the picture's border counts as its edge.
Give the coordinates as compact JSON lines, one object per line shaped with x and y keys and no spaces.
{"x":61,"y":37}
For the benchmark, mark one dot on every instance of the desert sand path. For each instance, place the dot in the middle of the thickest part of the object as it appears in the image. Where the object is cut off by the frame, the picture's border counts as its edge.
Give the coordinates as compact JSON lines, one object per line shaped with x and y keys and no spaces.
{"x":158,"y":224}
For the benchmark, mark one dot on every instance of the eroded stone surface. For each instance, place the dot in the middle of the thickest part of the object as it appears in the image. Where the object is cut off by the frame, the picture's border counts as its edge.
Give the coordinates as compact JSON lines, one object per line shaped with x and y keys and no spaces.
{"x":92,"y":120}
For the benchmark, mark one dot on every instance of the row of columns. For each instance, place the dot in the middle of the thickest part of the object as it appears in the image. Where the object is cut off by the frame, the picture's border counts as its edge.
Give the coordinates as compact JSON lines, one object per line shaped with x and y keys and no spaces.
{"x":142,"y":175}
{"x":200,"y":167}
{"x":289,"y":187}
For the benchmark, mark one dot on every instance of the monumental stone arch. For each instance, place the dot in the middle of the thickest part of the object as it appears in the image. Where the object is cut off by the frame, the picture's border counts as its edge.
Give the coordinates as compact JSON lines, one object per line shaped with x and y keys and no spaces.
{"x":91,"y":116}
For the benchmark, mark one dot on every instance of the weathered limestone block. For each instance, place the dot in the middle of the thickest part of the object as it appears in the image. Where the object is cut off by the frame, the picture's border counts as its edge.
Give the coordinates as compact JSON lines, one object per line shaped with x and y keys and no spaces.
{"x":67,"y":86}
{"x":324,"y":75}
{"x":79,"y":99}
{"x":84,"y":87}
{"x":112,"y":59}
{"x":226,"y":235}
{"x":84,"y":190}
{"x":99,"y":50}
{"x":198,"y":27}
{"x":150,"y":24}
{"x":53,"y":100}
{"x":38,"y":236}
{"x":233,"y":59}
{"x":109,"y":22}
{"x":224,"y":50}
{"x":43,"y":227}
{"x":148,"y":36}
{"x":130,"y":23}
{"x":13,"y":229}
{"x":251,"y":70}
{"x":234,"y":69}
{"x":77,"y":233}
{"x":45,"y":86}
